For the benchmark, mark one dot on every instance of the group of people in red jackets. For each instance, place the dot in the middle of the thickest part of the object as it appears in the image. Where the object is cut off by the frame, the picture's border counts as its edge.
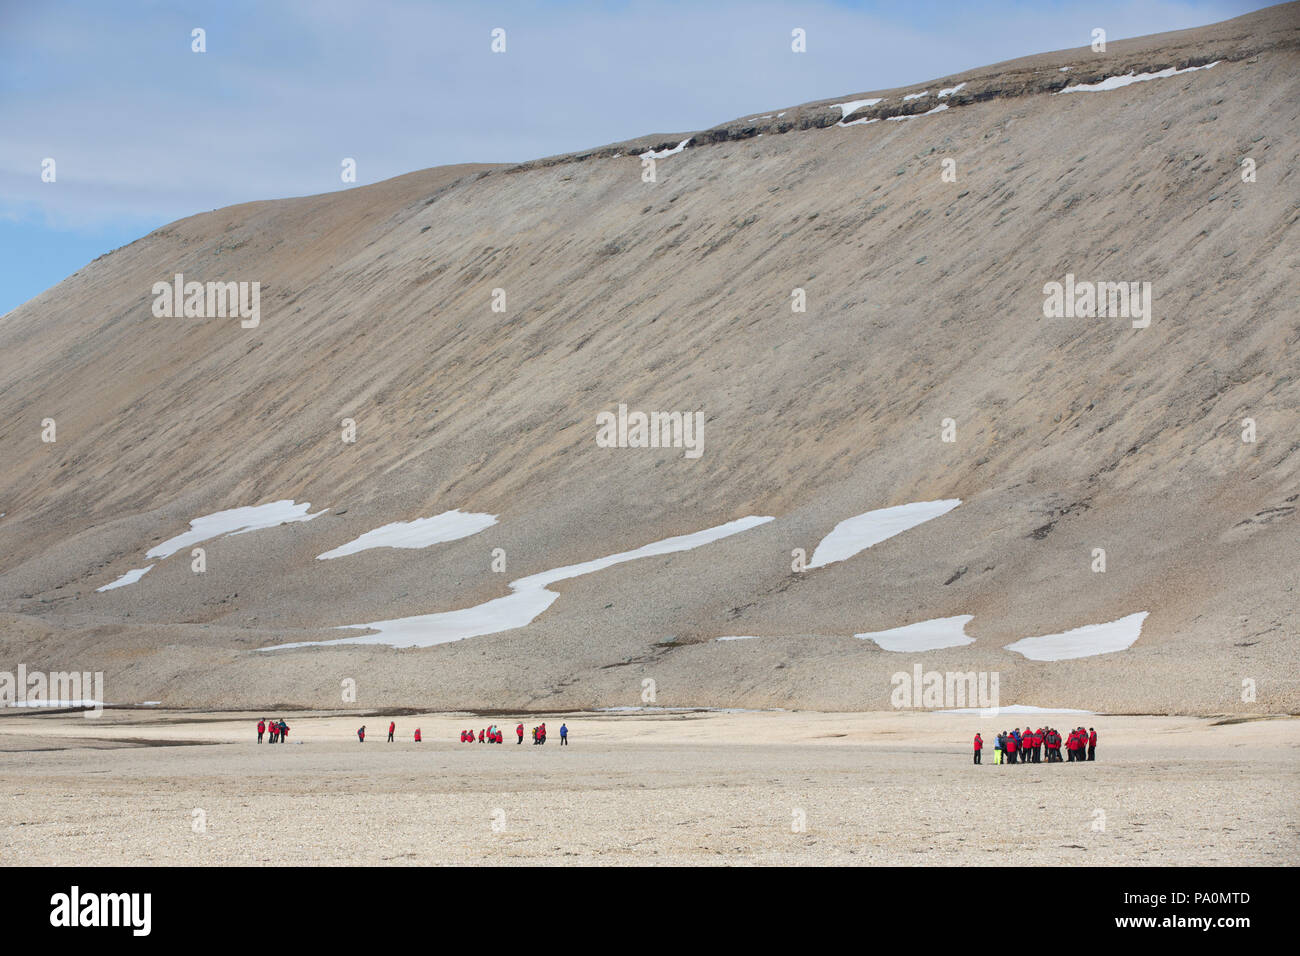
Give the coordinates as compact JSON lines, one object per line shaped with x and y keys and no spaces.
{"x":489,"y":735}
{"x":277,"y":730}
{"x":1028,"y":745}
{"x":494,"y":735}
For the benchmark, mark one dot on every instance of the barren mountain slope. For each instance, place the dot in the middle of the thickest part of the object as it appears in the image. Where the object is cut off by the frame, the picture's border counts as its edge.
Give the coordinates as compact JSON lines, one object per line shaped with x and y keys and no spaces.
{"x":924,"y":304}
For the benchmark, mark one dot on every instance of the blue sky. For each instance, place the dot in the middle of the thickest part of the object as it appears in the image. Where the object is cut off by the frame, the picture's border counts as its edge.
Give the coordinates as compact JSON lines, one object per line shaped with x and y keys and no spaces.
{"x":143,"y":131}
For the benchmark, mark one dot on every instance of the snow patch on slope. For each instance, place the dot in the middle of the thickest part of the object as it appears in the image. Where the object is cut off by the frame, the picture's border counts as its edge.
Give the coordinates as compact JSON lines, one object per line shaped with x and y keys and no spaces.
{"x":420,"y":533}
{"x":1088,"y":641}
{"x":529,"y":597}
{"x":665,"y":153}
{"x":1119,"y":82}
{"x":234,"y":521}
{"x":129,"y":578}
{"x":932,"y":635}
{"x":860,"y":532}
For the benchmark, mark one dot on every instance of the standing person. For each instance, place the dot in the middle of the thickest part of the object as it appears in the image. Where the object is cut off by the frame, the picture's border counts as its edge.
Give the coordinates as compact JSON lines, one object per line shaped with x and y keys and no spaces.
{"x":520,"y":731}
{"x":1092,"y":743}
{"x":261,"y":729}
{"x":979,"y":745}
{"x":417,"y":735}
{"x":1012,"y":747}
{"x":480,"y":735}
{"x":392,"y":726}
{"x":273,"y":735}
{"x":284,"y":731}
{"x":564,"y":735}
{"x":1000,"y":747}
{"x":361,"y":733}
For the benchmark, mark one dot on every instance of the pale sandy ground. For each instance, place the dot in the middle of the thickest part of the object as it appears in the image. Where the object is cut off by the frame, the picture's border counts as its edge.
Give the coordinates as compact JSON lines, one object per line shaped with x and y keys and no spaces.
{"x":649,"y":788}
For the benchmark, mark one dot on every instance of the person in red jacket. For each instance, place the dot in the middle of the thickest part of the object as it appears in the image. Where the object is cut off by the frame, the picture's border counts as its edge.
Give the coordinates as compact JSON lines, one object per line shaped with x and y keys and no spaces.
{"x":1011,"y":748}
{"x":979,"y":745}
{"x":392,"y":726}
{"x":261,"y":729}
{"x":520,"y":731}
{"x":1092,"y":743}
{"x":417,"y":735}
{"x":361,"y":733}
{"x":480,"y":736}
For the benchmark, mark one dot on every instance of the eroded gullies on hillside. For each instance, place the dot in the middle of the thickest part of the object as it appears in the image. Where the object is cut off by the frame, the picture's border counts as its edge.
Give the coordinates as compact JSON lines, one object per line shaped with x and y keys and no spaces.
{"x":420,"y":533}
{"x":529,"y":597}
